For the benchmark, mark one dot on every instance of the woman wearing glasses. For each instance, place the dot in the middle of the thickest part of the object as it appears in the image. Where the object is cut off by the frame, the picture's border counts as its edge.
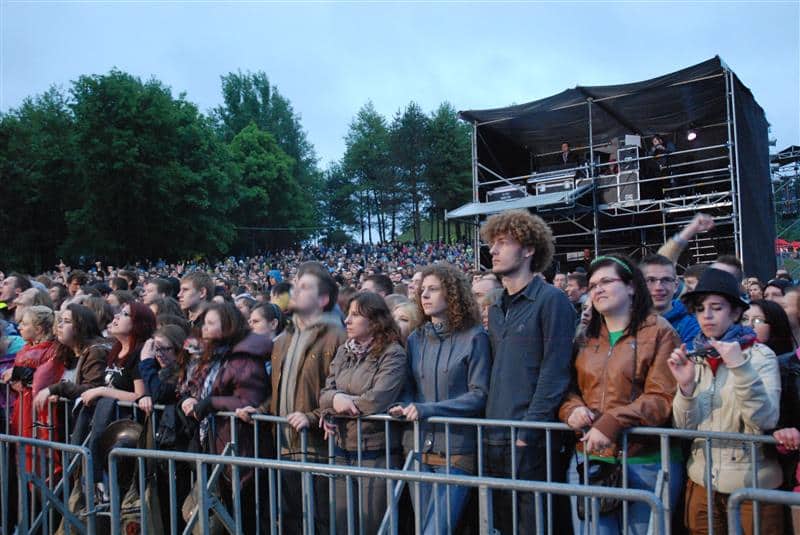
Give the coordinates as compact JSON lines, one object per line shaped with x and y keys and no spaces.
{"x":158,"y":366}
{"x":736,"y":388}
{"x":622,"y":381}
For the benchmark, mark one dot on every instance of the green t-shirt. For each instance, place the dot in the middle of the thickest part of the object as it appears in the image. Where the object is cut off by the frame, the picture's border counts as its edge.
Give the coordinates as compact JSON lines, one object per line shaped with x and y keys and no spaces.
{"x":614,"y":336}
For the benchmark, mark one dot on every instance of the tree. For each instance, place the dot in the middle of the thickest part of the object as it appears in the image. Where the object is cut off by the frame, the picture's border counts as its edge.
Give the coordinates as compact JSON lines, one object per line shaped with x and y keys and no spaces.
{"x":409,"y":141}
{"x":249,"y":98}
{"x":367,"y":160}
{"x":449,"y":177}
{"x":155,"y":178}
{"x":38,"y":175}
{"x":338,"y":209}
{"x":269,"y":194}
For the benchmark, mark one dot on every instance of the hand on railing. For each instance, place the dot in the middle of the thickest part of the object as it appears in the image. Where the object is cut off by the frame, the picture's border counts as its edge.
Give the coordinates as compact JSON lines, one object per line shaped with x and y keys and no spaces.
{"x":146,"y":404}
{"x":789,"y":438}
{"x":327,"y":426}
{"x":244,"y":413}
{"x":594,"y":440}
{"x":409,"y":412}
{"x":298,"y":420}
{"x":42,"y":398}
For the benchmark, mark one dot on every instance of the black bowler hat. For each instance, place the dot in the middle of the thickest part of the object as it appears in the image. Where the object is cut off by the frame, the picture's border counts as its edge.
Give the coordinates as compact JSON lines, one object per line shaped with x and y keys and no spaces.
{"x":716,"y":281}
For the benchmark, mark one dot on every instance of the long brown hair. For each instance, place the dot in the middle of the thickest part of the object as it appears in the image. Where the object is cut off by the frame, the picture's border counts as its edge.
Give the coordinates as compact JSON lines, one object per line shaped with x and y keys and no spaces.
{"x":383,"y":328}
{"x":462,"y":309}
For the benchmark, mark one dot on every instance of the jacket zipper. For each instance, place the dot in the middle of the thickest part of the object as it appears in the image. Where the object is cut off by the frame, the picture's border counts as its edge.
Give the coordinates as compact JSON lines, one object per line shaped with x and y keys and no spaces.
{"x":605,"y":379}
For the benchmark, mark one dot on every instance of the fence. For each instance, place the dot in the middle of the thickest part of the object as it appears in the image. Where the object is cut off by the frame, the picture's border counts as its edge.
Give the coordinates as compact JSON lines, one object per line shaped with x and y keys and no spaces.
{"x":205,"y":502}
{"x":49,"y":490}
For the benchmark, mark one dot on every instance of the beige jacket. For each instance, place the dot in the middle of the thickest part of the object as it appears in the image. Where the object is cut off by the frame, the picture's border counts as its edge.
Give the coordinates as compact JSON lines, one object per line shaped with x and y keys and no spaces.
{"x":744,"y":399}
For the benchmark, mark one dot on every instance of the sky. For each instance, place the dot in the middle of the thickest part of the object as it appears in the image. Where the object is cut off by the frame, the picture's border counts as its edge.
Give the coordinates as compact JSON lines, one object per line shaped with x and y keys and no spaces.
{"x":331,"y":58}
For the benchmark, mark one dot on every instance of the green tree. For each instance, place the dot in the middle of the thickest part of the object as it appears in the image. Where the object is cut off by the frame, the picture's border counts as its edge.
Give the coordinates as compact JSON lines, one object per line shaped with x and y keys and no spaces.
{"x":367,"y":161}
{"x":448,"y":172}
{"x":269,"y":194}
{"x":409,"y":143}
{"x":155,"y":178}
{"x":250,"y":98}
{"x":338,"y":207}
{"x":38,"y":175}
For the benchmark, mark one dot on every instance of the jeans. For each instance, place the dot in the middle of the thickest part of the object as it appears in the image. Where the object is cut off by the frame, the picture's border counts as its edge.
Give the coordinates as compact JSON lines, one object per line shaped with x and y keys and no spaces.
{"x":642,"y":477}
{"x":428,"y":502}
{"x":531,"y":463}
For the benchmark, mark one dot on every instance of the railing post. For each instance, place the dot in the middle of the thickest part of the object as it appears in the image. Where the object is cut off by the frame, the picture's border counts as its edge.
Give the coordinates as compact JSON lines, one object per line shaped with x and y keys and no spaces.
{"x":202,"y":498}
{"x":114,"y":495}
{"x":485,"y":519}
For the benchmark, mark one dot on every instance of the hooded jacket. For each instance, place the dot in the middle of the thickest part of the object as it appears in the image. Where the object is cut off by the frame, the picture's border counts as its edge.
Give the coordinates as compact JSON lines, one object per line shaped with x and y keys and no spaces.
{"x":683,"y":322}
{"x":241,"y":381}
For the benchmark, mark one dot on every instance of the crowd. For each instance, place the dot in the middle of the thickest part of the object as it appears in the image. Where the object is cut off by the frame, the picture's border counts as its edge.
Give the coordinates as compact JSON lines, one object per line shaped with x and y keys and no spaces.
{"x":322,"y":336}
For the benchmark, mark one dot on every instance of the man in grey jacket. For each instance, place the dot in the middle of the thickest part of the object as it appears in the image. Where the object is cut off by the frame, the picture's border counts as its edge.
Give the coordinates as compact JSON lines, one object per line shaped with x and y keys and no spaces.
{"x":531,"y":328}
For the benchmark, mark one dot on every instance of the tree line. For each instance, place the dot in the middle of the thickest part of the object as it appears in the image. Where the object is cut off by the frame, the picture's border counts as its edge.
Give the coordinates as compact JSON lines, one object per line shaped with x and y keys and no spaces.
{"x":120,"y":169}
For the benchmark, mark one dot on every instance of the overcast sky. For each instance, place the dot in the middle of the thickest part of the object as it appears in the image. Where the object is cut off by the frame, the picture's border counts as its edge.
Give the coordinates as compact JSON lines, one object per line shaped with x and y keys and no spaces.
{"x":330,"y":58}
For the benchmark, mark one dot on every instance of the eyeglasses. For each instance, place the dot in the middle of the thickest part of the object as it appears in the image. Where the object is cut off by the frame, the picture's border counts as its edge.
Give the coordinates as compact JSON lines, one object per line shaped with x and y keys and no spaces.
{"x":602,"y":283}
{"x":663,"y":281}
{"x":754,"y":321}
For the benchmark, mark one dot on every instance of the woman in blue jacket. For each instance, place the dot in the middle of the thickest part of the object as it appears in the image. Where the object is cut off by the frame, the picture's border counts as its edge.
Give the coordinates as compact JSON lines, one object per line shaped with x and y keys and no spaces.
{"x":449,"y":361}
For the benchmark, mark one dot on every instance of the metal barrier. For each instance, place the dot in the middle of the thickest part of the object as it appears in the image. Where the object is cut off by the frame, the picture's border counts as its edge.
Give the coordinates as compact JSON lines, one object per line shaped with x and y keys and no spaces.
{"x":755,"y":495}
{"x":206,"y":503}
{"x":31,"y":484}
{"x":232,"y":515}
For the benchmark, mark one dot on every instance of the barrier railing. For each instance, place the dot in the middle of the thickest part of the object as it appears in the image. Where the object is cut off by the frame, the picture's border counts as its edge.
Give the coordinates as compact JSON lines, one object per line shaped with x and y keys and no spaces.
{"x":31,"y":484}
{"x":205,"y":502}
{"x":755,"y":495}
{"x":394,"y":486}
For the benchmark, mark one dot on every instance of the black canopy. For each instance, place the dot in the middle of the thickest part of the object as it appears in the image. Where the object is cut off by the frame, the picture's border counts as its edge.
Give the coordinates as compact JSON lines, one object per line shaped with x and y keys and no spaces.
{"x":510,"y":139}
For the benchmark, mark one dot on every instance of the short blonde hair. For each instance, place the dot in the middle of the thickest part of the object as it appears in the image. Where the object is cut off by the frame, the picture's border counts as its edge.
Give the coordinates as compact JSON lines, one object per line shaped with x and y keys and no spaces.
{"x":528,"y":229}
{"x":41,"y":316}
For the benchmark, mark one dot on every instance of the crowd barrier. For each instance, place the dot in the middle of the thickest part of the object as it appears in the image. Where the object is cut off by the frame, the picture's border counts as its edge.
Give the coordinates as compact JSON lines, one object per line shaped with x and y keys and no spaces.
{"x":736,"y":499}
{"x":52,"y":494}
{"x":206,"y":502}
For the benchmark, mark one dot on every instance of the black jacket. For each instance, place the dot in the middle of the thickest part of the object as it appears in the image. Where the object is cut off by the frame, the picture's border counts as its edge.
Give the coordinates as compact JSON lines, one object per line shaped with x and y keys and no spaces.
{"x":532,"y":350}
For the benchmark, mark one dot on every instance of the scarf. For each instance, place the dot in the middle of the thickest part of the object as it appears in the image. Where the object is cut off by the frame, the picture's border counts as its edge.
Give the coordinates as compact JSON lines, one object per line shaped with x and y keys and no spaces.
{"x":210,"y":378}
{"x":358,"y":349}
{"x":746,"y":337}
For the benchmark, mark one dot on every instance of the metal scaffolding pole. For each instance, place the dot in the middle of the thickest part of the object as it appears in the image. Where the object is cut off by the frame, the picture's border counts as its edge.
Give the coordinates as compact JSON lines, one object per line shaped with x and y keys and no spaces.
{"x":733,"y":162}
{"x":595,"y":214}
{"x":477,"y":226}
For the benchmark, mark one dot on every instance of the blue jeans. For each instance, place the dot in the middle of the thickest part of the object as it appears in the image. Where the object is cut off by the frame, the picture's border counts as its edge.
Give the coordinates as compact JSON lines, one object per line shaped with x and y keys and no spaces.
{"x":642,"y":477}
{"x":458,"y":498}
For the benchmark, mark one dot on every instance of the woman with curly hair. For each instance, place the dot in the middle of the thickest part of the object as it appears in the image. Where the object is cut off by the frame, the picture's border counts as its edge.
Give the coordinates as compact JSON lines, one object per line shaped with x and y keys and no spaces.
{"x":449,"y":361}
{"x":367,"y":375}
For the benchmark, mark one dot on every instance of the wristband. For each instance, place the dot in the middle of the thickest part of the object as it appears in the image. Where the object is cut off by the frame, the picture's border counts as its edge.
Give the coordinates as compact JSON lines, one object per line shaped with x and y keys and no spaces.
{"x":680,"y":241}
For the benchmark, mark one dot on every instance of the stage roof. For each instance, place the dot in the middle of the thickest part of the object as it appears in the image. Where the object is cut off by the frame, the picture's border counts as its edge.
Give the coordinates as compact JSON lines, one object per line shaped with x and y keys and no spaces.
{"x":662,"y":104}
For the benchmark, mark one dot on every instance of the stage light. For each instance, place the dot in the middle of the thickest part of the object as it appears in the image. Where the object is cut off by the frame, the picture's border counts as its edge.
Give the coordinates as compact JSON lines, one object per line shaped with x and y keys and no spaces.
{"x":691,"y":135}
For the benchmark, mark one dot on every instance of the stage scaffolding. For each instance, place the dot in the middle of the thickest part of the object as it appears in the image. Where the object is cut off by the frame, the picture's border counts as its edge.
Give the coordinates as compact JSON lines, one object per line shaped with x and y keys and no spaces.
{"x":700,"y":175}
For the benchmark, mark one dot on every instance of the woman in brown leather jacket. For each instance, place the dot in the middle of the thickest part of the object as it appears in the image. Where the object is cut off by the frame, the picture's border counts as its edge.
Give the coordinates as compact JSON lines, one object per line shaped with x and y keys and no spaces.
{"x":622,"y":381}
{"x":367,"y":376}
